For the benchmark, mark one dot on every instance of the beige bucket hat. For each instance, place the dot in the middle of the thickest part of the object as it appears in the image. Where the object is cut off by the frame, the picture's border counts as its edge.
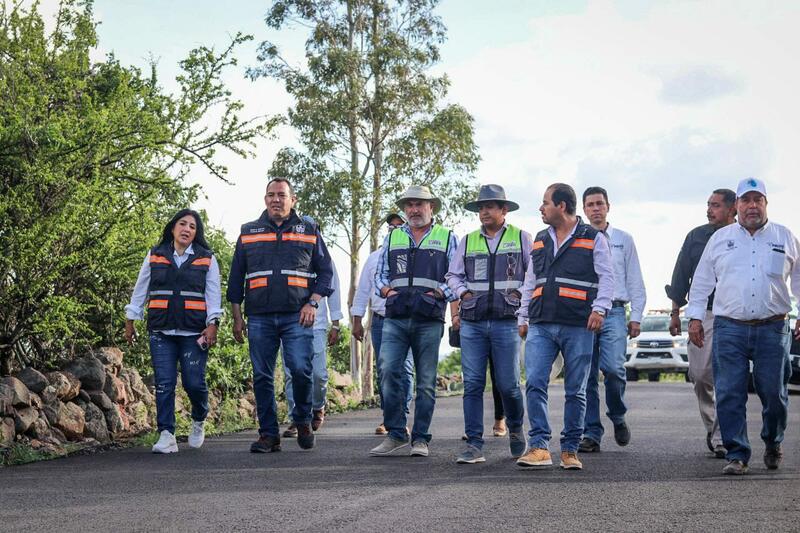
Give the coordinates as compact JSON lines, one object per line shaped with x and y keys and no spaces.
{"x":419,"y":192}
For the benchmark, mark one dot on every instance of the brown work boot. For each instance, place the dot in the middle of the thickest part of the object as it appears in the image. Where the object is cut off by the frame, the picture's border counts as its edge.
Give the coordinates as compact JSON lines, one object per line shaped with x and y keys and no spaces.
{"x":381,"y":430}
{"x":499,"y":429}
{"x":773,"y":457}
{"x":266,"y":444}
{"x":318,"y":419}
{"x":535,"y":458}
{"x":570,"y":461}
{"x":291,"y":431}
{"x":305,"y":436}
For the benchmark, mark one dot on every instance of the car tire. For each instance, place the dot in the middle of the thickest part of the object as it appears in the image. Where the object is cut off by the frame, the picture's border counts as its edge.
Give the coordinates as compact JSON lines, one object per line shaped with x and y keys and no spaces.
{"x":654,"y":376}
{"x":631,"y":374}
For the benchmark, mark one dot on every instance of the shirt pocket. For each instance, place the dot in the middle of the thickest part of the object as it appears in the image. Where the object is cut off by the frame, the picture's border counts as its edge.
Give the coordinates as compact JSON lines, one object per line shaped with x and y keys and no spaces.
{"x":776,"y":262}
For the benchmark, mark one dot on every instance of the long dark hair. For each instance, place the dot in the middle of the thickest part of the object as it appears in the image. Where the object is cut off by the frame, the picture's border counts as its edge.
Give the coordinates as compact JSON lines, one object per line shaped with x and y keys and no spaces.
{"x":199,"y":236}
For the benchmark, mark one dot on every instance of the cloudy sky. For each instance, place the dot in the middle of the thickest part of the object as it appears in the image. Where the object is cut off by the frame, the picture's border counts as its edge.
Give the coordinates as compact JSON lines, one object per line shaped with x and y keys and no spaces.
{"x":659,"y":102}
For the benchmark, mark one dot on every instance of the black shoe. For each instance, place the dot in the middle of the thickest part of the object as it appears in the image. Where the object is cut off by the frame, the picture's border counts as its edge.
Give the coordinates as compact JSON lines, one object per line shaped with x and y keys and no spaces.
{"x":588,"y":445}
{"x":291,"y":431}
{"x":709,"y":443}
{"x":305,"y":436}
{"x":772,"y":457}
{"x":622,"y":434}
{"x":266,"y":445}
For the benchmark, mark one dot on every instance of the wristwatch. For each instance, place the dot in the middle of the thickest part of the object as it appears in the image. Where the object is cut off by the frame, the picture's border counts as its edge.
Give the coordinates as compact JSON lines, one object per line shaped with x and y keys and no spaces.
{"x":214,"y":322}
{"x":601,"y":312}
{"x":313,"y":303}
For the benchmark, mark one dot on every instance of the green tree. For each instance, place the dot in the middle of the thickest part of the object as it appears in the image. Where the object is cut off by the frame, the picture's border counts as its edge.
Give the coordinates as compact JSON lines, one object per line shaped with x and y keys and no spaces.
{"x":93,"y":161}
{"x":370,"y":115}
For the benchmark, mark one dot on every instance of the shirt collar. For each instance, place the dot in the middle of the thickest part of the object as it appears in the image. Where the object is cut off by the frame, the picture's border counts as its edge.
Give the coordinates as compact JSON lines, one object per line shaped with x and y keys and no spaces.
{"x":759,"y":231}
{"x":499,"y":232}
{"x":189,"y":251}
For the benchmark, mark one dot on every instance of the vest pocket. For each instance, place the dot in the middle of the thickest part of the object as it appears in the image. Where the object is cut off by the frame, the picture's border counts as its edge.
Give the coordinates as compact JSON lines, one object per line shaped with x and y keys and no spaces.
{"x":426,"y":306}
{"x":470,"y":308}
{"x":397,"y":305}
{"x":511,"y":303}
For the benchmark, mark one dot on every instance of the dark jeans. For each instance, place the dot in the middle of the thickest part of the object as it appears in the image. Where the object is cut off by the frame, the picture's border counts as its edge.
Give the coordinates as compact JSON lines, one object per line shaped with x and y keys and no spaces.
{"x":266,"y":333}
{"x":767,"y":346}
{"x":376,"y":334}
{"x":497,"y":398}
{"x":165,"y":352}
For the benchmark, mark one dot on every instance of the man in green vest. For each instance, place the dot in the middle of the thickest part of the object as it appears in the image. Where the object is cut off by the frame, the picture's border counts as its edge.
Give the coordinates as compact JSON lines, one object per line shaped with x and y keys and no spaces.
{"x":410,"y":275}
{"x":487,"y":273}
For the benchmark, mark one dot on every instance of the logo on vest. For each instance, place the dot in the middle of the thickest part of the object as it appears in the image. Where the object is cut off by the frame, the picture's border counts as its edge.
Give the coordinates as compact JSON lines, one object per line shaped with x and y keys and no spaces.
{"x":402,"y":263}
{"x":435,"y":242}
{"x":508,"y":245}
{"x":300,"y":228}
{"x":257,"y":230}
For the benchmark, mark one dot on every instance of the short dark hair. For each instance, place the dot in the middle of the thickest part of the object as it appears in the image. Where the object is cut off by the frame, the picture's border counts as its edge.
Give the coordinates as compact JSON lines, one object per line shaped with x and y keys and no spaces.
{"x":728,"y":196}
{"x":279,"y":179}
{"x":199,"y":236}
{"x":561,"y":192}
{"x":595,"y":190}
{"x":393,"y":216}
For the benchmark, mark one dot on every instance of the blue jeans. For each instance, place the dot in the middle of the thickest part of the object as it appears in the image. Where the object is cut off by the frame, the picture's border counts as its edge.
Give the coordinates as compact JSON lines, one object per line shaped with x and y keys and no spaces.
{"x":423,"y":337}
{"x":266,"y":333}
{"x":609,"y":357}
{"x":544,"y":342}
{"x":376,"y":334}
{"x":319,"y":374}
{"x":481,"y":342}
{"x":767,"y":346}
{"x":165,"y":352}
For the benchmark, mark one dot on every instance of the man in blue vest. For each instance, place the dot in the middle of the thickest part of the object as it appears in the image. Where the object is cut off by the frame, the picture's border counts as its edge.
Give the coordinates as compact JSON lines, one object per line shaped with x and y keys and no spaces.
{"x":487,"y":274}
{"x":280,"y":269}
{"x":610,"y":343}
{"x":565,"y":298}
{"x":410,"y":275}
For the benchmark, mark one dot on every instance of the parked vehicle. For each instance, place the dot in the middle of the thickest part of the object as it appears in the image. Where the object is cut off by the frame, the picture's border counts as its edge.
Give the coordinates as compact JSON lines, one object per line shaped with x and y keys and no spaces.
{"x":655,"y":351}
{"x":794,"y":357}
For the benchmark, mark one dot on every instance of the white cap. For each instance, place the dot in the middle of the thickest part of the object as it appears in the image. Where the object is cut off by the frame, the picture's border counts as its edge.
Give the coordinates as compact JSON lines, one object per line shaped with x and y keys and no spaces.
{"x":750,"y":184}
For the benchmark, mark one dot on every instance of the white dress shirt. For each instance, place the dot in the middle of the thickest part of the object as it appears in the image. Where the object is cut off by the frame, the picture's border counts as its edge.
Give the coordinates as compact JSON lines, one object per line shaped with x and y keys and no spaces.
{"x":135,"y":309}
{"x":749,"y":273}
{"x":628,"y":282}
{"x":365,"y":292}
{"x":330,"y":306}
{"x":601,"y":256}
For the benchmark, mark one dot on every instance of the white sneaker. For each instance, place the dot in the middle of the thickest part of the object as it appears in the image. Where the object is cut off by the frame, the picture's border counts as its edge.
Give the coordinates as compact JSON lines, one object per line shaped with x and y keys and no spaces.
{"x":419,"y":448}
{"x":166,"y":443}
{"x":198,"y":434}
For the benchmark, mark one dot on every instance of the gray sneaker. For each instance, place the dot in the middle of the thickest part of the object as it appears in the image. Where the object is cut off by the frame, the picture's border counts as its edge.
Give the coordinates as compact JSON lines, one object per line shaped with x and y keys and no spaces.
{"x":516,"y":442}
{"x":419,"y":448}
{"x":470,"y":456}
{"x":388,"y":446}
{"x":735,"y":468}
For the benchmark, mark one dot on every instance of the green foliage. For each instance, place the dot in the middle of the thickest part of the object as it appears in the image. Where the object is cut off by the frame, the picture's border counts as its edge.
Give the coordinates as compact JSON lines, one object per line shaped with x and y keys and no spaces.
{"x":93,"y":161}
{"x":339,"y":353}
{"x":450,"y":364}
{"x":369,"y":112}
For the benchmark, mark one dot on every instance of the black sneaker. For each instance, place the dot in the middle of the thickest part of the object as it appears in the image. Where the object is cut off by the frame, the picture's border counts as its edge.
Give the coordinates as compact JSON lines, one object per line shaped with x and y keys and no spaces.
{"x":305,"y":436}
{"x":622,"y":434}
{"x":772,"y":457}
{"x":267,"y":444}
{"x":588,"y":445}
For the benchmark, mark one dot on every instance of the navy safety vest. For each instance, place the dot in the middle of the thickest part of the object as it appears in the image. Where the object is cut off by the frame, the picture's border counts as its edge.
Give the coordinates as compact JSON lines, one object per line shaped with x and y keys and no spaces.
{"x":413,"y":271}
{"x":278,"y":258}
{"x":566,"y":284}
{"x":177,"y":296}
{"x":492,"y":277}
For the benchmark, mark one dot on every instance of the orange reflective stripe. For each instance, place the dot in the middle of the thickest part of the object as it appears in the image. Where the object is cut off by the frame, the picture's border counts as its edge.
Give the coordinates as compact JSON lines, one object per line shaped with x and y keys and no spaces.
{"x":537,"y":292}
{"x":571,"y":293}
{"x":158,"y":304}
{"x":259,"y":237}
{"x":583,"y":243}
{"x":159,"y":259}
{"x":258,"y":282}
{"x":301,"y":237}
{"x":203,"y":261}
{"x":538,"y":244}
{"x":296,"y":282}
{"x":195,"y":305}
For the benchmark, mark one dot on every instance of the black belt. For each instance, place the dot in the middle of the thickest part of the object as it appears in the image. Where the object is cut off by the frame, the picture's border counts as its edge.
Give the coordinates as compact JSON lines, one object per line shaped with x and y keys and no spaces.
{"x":618,"y":303}
{"x":760,"y":321}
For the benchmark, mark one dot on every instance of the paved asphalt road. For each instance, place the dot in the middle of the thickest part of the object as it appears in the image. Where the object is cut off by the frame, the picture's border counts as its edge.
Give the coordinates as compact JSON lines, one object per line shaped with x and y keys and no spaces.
{"x":663,"y":481}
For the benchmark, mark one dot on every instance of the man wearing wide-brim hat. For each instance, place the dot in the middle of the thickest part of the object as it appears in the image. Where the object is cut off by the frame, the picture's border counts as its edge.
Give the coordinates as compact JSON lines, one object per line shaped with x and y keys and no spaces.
{"x":487,"y":274}
{"x":411,"y":276}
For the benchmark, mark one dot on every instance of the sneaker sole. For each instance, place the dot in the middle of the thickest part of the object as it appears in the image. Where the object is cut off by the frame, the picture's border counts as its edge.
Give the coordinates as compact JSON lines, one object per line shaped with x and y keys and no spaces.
{"x":271,"y":450}
{"x":418,"y":453}
{"x":538,"y":464}
{"x":196,"y":445}
{"x":171,"y":449}
{"x":390,"y":452}
{"x":734,"y":472}
{"x":571,"y":467}
{"x":471,"y":461}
